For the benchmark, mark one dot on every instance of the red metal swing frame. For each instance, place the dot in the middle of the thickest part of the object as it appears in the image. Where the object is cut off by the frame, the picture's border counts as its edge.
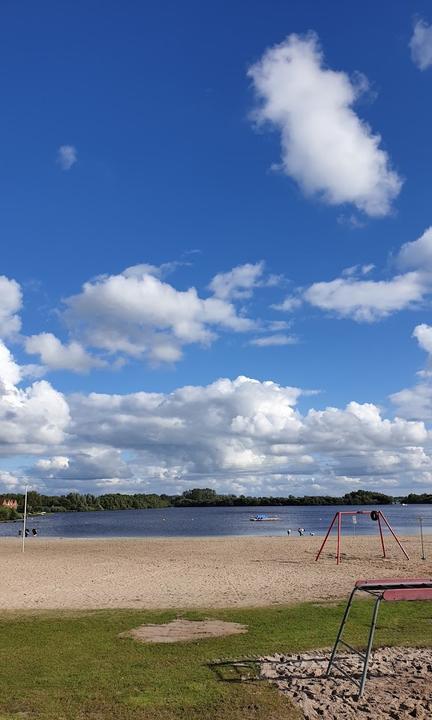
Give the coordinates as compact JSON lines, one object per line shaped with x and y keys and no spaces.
{"x":380,"y":517}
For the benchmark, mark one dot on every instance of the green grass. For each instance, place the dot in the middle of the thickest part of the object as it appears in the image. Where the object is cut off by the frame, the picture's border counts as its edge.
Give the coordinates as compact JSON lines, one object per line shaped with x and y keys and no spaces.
{"x":73,"y":666}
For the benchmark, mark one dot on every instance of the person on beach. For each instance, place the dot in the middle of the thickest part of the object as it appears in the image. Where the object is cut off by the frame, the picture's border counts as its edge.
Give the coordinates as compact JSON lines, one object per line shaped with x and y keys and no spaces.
{"x":27,"y":532}
{"x":34,"y":532}
{"x":301,"y":531}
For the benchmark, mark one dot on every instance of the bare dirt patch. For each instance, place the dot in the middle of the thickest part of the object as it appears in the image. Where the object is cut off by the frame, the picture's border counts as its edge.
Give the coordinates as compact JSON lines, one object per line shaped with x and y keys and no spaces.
{"x":399,"y":685}
{"x":184,"y":630}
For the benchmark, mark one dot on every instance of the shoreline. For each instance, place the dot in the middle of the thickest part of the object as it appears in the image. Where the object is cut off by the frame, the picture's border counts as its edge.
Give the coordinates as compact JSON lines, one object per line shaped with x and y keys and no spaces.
{"x":412,"y":532}
{"x":186,"y":573}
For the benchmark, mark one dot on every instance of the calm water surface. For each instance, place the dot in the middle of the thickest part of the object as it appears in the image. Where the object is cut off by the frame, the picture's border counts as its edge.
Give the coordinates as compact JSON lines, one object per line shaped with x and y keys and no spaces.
{"x":186,"y":522}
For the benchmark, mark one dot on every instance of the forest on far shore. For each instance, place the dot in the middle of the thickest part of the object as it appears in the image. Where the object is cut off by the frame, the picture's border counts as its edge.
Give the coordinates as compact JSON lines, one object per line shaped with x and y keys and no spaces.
{"x":198,"y":497}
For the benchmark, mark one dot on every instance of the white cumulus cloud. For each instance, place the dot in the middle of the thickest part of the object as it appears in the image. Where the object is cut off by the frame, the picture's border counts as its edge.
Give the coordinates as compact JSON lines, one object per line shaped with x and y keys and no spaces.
{"x":326,"y":147}
{"x":10,"y":371}
{"x":364,"y":300}
{"x":31,"y":417}
{"x":10,"y":305}
{"x":249,"y":433}
{"x":57,"y":356}
{"x":137,"y":314}
{"x":416,"y":402}
{"x":9,"y":483}
{"x":417,"y":255}
{"x":53,"y":465}
{"x":423,"y":334}
{"x":238,"y":282}
{"x":82,"y":467}
{"x":240,"y":435}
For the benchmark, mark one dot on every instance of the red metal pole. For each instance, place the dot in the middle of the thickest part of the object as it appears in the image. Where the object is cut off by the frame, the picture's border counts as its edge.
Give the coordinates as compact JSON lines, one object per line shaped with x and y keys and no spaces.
{"x":381,"y":535}
{"x":394,"y":535}
{"x":339,"y":538}
{"x":325,"y":539}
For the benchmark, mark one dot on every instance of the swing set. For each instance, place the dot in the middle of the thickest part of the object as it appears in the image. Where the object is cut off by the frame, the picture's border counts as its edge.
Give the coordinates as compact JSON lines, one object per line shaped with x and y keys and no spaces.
{"x":375,"y":515}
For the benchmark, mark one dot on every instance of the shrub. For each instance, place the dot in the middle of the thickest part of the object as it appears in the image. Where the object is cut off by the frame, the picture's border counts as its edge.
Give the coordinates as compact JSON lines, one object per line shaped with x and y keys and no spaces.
{"x":5,"y":513}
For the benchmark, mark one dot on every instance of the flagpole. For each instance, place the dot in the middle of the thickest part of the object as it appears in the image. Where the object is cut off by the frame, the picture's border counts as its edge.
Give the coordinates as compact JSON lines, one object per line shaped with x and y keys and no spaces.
{"x":24,"y":518}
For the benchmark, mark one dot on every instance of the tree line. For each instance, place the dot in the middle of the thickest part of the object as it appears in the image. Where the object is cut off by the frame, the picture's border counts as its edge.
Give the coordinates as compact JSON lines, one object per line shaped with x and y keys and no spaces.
{"x":198,"y":497}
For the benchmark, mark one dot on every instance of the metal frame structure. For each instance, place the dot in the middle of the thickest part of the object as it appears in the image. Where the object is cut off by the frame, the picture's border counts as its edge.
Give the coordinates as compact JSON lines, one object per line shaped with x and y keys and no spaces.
{"x":374,"y":515}
{"x":390,"y":590}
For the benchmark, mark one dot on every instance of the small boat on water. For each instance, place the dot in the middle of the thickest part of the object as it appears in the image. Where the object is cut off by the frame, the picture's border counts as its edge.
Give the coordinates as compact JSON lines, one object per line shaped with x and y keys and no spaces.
{"x":264,"y":518}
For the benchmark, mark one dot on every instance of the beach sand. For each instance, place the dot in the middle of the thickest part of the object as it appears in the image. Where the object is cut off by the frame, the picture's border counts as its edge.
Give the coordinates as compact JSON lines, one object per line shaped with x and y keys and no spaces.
{"x":192,"y":572}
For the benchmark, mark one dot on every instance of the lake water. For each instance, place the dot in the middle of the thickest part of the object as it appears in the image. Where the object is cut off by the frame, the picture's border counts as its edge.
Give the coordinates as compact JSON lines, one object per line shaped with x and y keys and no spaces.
{"x":214,"y":521}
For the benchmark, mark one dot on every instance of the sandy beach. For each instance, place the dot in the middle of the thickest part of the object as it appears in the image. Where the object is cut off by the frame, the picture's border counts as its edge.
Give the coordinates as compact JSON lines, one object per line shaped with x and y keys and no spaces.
{"x":191,"y":572}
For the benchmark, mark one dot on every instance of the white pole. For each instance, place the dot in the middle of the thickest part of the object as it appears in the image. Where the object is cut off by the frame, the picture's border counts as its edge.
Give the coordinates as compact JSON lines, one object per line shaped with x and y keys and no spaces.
{"x":24,"y":518}
{"x":421,"y":535}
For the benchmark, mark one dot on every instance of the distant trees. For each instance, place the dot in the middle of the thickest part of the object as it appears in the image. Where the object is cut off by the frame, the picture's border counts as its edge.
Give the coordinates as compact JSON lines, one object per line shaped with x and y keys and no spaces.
{"x":424,"y":498}
{"x":75,"y":502}
{"x":366,"y":497}
{"x":197,"y":497}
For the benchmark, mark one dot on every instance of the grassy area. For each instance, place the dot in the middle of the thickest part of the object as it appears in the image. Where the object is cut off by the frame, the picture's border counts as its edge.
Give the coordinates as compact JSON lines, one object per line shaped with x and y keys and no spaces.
{"x":74,"y":667}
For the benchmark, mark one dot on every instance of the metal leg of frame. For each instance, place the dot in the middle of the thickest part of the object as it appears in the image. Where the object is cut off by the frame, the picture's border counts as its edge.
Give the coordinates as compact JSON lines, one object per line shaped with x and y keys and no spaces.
{"x":383,"y":517}
{"x":381,"y":536}
{"x":341,"y":628}
{"x":339,"y":529}
{"x":369,"y":646}
{"x":326,"y":537}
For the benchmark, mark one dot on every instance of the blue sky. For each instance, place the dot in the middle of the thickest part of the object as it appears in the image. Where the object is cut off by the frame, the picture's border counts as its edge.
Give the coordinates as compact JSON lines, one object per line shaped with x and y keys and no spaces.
{"x":150,"y":134}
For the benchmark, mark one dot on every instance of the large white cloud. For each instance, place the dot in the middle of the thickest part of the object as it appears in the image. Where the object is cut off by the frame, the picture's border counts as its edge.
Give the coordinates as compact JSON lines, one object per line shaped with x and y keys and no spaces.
{"x":30,"y":418}
{"x":213,"y":413}
{"x":9,"y":482}
{"x":95,"y":465}
{"x":137,"y":314}
{"x":417,"y":255}
{"x":416,"y":401}
{"x":336,"y":429}
{"x":238,"y":435}
{"x":421,"y":45}
{"x":246,"y":432}
{"x":10,"y":305}
{"x":367,"y":300}
{"x":326,"y":147}
{"x":35,"y":416}
{"x":10,"y":371}
{"x":423,"y":334}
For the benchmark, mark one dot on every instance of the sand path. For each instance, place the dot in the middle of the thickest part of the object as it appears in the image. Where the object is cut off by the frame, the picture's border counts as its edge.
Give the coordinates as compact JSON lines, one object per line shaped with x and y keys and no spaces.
{"x":190,"y":572}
